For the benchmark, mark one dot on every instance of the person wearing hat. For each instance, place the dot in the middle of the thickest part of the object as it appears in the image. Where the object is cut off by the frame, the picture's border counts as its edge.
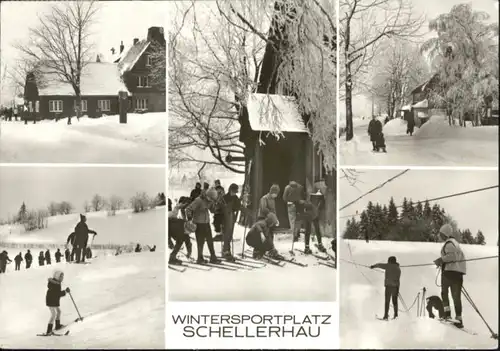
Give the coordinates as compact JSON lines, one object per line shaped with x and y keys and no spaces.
{"x":28,"y":258}
{"x":218,"y":211}
{"x":4,"y":259}
{"x":453,"y":268}
{"x":293,"y":193}
{"x":391,"y":283}
{"x":18,"y":259}
{"x":231,"y":204}
{"x":82,"y":232}
{"x":52,"y":300}
{"x":260,"y":236}
{"x":268,"y":201}
{"x":195,"y":192}
{"x":197,"y":213}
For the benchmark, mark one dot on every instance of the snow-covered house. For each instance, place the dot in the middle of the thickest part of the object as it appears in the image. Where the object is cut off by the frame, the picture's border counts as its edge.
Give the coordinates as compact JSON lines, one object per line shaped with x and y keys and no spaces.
{"x":421,"y":107}
{"x":135,"y":65}
{"x":99,"y":87}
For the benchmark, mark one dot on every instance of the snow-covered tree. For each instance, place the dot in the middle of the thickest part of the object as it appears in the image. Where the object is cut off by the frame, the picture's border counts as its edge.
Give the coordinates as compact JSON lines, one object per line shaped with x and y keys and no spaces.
{"x":480,"y":239}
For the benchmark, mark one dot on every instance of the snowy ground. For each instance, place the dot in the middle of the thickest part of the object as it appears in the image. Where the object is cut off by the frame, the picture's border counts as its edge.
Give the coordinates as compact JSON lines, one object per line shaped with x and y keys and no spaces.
{"x":121,"y":298}
{"x":362,"y":289}
{"x":270,"y":283}
{"x":104,"y":140}
{"x":435,"y":144}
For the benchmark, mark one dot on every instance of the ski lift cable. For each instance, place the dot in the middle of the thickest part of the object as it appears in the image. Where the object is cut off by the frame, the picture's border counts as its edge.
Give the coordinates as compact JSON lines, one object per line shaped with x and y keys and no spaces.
{"x":439,"y":198}
{"x":374,"y":189}
{"x":421,"y":264}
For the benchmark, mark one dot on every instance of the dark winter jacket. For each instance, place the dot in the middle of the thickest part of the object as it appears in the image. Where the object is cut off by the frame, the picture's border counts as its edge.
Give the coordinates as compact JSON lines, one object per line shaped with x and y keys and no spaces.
{"x":197,"y":211}
{"x":392,"y":273}
{"x":195,"y":193}
{"x":28,"y":257}
{"x":18,"y":258}
{"x":310,"y":212}
{"x":47,"y":256}
{"x":4,"y":257}
{"x":253,"y":237}
{"x":176,"y":228}
{"x":41,"y":260}
{"x":54,"y":293}
{"x":71,"y":239}
{"x":318,"y":200}
{"x":231,"y":203}
{"x":374,"y":129}
{"x":58,"y":255}
{"x":82,"y":232}
{"x":293,"y":192}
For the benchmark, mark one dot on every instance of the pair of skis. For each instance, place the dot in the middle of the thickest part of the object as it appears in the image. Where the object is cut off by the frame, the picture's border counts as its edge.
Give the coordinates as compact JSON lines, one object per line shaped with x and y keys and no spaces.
{"x":54,"y":334}
{"x":450,"y":322}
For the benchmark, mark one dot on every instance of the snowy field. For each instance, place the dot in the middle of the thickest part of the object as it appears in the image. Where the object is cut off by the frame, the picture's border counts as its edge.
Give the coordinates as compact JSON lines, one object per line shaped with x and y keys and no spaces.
{"x":435,"y":144}
{"x":104,"y":140}
{"x":362,"y":297}
{"x":121,"y":298}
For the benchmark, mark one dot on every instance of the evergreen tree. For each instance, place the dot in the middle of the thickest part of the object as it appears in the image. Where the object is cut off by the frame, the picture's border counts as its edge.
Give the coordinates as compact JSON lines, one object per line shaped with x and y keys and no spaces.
{"x":437,"y":218}
{"x":427,"y":211}
{"x":349,"y":232}
{"x":370,"y":212}
{"x":392,"y":215}
{"x":480,"y":239}
{"x":411,"y":210}
{"x":23,"y":213}
{"x":467,"y":237}
{"x":405,"y":211}
{"x":364,"y":226}
{"x":419,"y":210}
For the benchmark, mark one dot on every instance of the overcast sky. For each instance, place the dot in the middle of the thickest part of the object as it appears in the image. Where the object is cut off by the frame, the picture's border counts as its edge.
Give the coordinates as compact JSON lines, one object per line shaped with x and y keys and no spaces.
{"x":473,"y":211}
{"x":117,"y":21}
{"x":38,"y":186}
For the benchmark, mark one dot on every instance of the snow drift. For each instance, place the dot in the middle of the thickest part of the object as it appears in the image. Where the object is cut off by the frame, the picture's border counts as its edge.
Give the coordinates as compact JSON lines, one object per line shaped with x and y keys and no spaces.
{"x":438,"y":127}
{"x":396,"y":126}
{"x":362,"y":294}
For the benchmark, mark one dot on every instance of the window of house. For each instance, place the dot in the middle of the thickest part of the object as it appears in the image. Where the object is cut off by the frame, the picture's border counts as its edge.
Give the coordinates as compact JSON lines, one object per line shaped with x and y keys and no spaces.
{"x":104,"y":105}
{"x":148,"y":60}
{"x":141,"y":104}
{"x":84,"y":105}
{"x":143,"y":82}
{"x":55,"y":106}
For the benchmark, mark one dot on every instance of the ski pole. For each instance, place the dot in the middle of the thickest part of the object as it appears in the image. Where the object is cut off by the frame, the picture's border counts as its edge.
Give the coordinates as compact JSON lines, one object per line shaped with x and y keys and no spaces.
{"x":467,"y":296}
{"x":74,"y":304}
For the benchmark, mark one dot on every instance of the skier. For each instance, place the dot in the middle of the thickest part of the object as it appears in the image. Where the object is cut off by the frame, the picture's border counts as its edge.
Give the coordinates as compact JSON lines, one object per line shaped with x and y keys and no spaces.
{"x":453,"y":269}
{"x":218,"y":212}
{"x":391,"y":282}
{"x":170,"y":242}
{"x":311,"y":219}
{"x":41,"y":259}
{"x":206,"y":186}
{"x":178,"y":230}
{"x":268,"y":201}
{"x":52,"y":300}
{"x":28,"y":258}
{"x":67,"y":255}
{"x":434,"y":302}
{"x":374,"y":131}
{"x":138,"y":248}
{"x":58,"y":255}
{"x":47,"y":257}
{"x":293,"y":193}
{"x":71,"y":240}
{"x":195,"y":192}
{"x":4,"y":259}
{"x":230,"y":206}
{"x":260,"y":236}
{"x":197,"y":213}
{"x":18,"y":259}
{"x":82,"y":232}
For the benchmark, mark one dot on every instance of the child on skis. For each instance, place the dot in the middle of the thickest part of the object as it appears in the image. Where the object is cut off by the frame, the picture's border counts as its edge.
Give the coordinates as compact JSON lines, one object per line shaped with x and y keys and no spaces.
{"x":178,"y":230}
{"x":260,"y":236}
{"x":391,"y":282}
{"x":52,"y":299}
{"x":311,"y":219}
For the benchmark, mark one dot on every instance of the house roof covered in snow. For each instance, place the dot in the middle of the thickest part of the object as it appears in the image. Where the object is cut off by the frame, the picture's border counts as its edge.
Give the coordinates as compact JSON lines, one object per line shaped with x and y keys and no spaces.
{"x":422,"y":87}
{"x":98,"y":79}
{"x":132,"y":55}
{"x":421,"y":104}
{"x":406,"y":108}
{"x":274,"y":113}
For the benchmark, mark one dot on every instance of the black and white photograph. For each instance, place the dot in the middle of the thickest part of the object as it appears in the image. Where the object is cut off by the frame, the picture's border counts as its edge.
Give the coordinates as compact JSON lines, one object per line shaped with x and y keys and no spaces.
{"x":82,"y":257}
{"x":252,"y":151}
{"x":418,"y":259}
{"x":83,"y":82}
{"x":418,"y":83}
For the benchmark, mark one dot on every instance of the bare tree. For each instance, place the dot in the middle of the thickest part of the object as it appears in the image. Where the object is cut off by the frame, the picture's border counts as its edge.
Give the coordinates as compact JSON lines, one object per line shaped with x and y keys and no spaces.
{"x":98,"y":202}
{"x":115,"y":204}
{"x":364,"y":25}
{"x":61,"y":43}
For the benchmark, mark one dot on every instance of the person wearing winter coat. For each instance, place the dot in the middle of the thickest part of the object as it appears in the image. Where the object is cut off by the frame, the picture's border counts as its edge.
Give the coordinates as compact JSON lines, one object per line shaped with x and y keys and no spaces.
{"x":391,"y":282}
{"x":58,"y":255}
{"x":71,"y":240}
{"x":153,"y":249}
{"x":4,"y":259}
{"x":410,"y":127}
{"x":218,"y":210}
{"x":197,"y":213}
{"x":41,"y":259}
{"x":311,"y":219}
{"x":260,"y":236}
{"x":293,"y":193}
{"x":374,"y":131}
{"x":67,"y":255}
{"x":138,"y":248}
{"x":178,"y":231}
{"x":435,"y":302}
{"x":48,"y":259}
{"x":82,"y":232}
{"x":453,"y":268}
{"x":52,"y":300}
{"x":17,"y":260}
{"x":268,"y":201}
{"x":230,"y":206}
{"x":28,"y":258}
{"x":195,"y":192}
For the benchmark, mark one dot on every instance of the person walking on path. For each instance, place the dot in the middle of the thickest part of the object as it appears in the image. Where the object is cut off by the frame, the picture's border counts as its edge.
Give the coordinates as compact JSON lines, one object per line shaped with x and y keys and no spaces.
{"x":18,"y":259}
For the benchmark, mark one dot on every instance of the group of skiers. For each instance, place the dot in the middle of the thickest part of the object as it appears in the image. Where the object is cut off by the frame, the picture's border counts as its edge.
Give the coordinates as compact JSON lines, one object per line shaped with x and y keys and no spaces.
{"x":452,"y":263}
{"x":195,"y":217}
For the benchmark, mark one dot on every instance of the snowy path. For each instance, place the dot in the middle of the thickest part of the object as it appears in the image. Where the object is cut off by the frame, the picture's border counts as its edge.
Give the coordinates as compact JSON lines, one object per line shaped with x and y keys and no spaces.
{"x":473,"y":147}
{"x":362,"y":289}
{"x":270,"y":283}
{"x":122,"y":300}
{"x":51,"y":142}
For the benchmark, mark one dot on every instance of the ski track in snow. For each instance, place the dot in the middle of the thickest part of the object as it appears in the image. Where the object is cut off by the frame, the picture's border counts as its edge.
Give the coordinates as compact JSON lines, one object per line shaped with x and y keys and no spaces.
{"x":437,"y":144}
{"x":119,"y":311}
{"x":100,"y":141}
{"x":270,"y":283}
{"x":362,"y":297}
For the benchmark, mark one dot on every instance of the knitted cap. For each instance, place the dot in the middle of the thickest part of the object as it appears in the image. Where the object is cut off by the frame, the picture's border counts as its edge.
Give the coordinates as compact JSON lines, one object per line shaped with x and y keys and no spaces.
{"x":275,"y":189}
{"x":58,"y":274}
{"x":211,"y":194}
{"x":271,"y":219}
{"x":446,"y":230}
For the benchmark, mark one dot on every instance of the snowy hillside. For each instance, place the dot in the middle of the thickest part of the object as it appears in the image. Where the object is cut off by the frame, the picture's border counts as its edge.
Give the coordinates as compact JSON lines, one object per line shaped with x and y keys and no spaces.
{"x":121,"y":298}
{"x":123,"y":228}
{"x":434,"y":144}
{"x":102,"y":140}
{"x":315,"y":282}
{"x":362,"y":297}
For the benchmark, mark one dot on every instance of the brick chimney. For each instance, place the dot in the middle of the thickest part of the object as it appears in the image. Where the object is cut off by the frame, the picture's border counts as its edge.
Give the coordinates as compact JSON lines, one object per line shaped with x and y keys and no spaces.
{"x":136,"y":40}
{"x":156,"y":34}
{"x":121,"y":47}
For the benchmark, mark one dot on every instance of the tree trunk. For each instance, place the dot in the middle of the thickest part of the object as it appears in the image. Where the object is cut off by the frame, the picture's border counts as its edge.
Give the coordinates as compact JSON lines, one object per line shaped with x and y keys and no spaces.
{"x":349,"y":131}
